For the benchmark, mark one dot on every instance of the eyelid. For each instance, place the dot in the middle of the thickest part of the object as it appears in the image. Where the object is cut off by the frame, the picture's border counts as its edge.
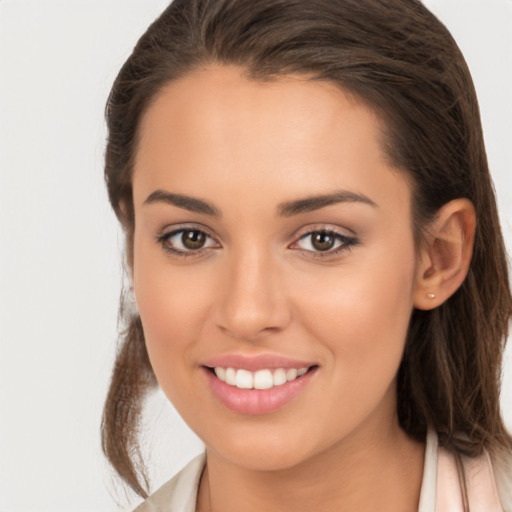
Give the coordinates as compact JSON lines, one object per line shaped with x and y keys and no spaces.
{"x":347,"y":240}
{"x":170,"y":231}
{"x":328,"y":228}
{"x":192,"y":226}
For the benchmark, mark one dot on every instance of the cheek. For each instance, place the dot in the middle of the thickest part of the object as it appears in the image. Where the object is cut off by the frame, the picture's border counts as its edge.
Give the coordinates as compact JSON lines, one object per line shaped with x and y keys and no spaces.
{"x":171,"y":308}
{"x":362,"y":315}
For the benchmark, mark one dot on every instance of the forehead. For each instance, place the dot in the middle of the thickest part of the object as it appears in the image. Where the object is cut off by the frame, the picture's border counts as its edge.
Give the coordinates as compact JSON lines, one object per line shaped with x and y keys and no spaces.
{"x":215,"y":127}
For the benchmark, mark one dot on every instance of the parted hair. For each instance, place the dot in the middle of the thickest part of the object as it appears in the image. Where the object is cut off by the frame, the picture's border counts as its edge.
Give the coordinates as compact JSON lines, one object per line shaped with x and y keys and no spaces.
{"x":397,"y":58}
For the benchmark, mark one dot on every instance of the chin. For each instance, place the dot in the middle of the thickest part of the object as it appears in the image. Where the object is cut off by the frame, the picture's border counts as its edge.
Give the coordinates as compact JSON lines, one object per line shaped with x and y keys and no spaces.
{"x":269,"y":448}
{"x":264,"y":458}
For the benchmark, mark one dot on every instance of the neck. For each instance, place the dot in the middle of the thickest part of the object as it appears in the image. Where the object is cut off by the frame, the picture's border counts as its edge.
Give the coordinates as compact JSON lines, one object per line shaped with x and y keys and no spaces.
{"x":381,"y":470}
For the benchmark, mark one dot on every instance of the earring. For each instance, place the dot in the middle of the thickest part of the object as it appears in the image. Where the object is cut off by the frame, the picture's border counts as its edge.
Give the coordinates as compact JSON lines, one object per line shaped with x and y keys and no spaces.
{"x":431,"y":295}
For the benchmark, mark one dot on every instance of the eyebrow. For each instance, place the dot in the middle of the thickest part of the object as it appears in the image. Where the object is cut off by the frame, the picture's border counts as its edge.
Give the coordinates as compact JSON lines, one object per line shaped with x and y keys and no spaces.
{"x":309,"y":204}
{"x":286,"y":209}
{"x":192,"y":204}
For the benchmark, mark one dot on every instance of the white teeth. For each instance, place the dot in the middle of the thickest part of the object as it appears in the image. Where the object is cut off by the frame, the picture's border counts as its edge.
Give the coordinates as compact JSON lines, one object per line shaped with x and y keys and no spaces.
{"x":231,"y":376}
{"x":221,"y":373}
{"x":262,"y":379}
{"x":244,"y":379}
{"x":279,"y":377}
{"x":291,"y":374}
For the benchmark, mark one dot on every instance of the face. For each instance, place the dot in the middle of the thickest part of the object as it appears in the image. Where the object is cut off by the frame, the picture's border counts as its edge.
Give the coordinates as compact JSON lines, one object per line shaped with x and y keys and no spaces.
{"x":272,"y":238}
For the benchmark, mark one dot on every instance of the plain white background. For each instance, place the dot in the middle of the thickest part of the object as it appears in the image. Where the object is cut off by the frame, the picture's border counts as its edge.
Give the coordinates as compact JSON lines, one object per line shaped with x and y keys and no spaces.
{"x":60,"y":246}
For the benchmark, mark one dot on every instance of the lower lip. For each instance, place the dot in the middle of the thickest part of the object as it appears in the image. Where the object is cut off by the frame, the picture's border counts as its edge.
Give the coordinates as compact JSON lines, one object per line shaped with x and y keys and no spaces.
{"x":257,"y":401}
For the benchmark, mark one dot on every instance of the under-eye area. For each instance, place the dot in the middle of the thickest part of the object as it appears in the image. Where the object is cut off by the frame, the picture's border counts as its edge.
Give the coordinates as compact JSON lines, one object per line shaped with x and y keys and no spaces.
{"x":319,"y":243}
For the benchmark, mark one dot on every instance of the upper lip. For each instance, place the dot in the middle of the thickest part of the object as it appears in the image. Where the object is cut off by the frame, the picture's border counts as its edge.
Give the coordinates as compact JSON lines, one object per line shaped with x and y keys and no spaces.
{"x":255,"y":362}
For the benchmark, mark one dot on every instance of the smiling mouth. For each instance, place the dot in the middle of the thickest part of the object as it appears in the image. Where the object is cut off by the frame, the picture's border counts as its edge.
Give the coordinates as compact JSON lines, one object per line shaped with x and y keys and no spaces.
{"x":261,"y":379}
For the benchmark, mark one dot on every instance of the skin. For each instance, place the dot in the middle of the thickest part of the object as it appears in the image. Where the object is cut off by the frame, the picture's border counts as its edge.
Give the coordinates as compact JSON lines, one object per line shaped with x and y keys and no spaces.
{"x":257,"y":287}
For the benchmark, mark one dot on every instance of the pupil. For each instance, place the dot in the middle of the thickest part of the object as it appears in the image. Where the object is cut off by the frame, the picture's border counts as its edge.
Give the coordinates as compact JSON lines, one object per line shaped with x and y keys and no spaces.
{"x":323,"y":241}
{"x":193,"y":239}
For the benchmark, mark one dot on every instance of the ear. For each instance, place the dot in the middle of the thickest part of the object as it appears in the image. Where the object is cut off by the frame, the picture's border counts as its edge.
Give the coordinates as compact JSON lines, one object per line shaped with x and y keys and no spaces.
{"x":445,"y":256}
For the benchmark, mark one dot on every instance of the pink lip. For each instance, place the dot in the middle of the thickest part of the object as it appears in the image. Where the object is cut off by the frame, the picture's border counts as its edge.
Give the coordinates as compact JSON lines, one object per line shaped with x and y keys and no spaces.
{"x":255,"y":363}
{"x":257,"y":401}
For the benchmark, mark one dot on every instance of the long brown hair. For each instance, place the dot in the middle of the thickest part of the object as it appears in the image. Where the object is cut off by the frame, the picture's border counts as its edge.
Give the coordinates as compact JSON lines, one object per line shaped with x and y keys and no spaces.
{"x":397,"y":58}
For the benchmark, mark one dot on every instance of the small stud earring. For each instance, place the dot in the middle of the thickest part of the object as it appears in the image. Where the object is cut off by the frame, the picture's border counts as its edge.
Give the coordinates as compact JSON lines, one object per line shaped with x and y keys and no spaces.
{"x":431,"y":295}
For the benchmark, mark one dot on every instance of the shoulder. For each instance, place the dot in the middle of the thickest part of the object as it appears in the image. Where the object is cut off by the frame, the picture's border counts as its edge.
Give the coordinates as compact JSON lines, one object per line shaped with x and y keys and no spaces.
{"x":180,"y":493}
{"x":450,"y":479}
{"x":502,"y":466}
{"x":485,"y":483}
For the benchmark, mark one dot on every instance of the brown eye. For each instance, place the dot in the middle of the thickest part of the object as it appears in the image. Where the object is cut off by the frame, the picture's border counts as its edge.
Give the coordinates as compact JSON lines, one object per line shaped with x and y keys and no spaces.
{"x":187,"y":242}
{"x":322,"y":241}
{"x":193,"y":239}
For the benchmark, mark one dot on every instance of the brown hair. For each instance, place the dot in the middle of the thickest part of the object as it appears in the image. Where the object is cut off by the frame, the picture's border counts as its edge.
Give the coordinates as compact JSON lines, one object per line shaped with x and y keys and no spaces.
{"x":397,"y":58}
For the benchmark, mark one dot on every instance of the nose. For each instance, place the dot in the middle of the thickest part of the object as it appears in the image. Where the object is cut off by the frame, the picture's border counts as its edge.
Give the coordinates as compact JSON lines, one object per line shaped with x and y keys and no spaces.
{"x":251,"y":301}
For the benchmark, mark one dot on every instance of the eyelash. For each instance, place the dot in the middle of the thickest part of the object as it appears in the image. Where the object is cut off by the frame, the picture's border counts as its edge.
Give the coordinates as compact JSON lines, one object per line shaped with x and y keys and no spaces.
{"x":165,"y":237}
{"x":347,"y":243}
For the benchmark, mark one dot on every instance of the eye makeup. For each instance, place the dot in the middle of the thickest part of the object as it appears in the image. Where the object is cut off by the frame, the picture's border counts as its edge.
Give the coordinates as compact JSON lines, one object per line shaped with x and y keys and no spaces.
{"x":193,"y":241}
{"x":324,"y":243}
{"x":187,"y":241}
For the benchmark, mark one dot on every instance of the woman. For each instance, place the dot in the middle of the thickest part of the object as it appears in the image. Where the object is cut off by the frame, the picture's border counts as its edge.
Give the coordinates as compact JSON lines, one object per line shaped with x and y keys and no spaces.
{"x":317,"y":263}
